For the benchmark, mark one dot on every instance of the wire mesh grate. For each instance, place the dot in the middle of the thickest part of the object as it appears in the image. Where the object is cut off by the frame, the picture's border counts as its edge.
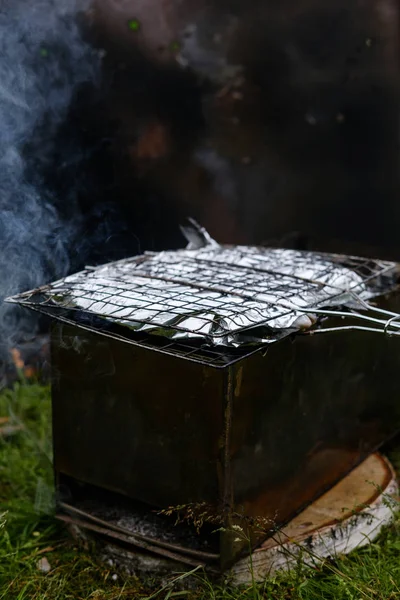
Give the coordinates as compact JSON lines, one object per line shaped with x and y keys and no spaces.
{"x":218,"y":295}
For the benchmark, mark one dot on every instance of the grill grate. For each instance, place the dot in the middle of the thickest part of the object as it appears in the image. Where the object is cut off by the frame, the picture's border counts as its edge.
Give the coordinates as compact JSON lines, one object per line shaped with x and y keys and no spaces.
{"x":201,"y":353}
{"x":209,"y":301}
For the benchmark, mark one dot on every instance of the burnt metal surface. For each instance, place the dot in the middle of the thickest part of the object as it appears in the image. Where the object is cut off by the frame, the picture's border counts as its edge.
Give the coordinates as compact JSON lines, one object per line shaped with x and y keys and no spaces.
{"x":261,"y":438}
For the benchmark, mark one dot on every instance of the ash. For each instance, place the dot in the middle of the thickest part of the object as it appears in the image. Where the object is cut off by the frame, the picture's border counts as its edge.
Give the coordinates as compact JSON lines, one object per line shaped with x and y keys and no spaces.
{"x":149,"y":524}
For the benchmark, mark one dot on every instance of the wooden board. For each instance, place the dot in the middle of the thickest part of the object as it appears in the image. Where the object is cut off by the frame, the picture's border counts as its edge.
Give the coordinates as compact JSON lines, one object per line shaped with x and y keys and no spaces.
{"x":347,"y":517}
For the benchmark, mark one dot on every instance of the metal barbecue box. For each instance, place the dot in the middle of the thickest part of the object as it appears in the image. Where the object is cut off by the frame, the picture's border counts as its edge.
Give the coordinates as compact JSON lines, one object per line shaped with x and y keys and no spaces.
{"x":242,"y":381}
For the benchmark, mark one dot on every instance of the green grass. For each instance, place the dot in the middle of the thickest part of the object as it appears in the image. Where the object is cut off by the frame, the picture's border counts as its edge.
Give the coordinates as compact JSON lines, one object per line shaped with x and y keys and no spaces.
{"x":28,"y":533}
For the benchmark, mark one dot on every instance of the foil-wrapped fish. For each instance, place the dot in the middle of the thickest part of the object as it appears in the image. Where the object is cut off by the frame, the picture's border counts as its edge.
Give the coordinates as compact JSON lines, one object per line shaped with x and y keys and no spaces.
{"x":225,"y":295}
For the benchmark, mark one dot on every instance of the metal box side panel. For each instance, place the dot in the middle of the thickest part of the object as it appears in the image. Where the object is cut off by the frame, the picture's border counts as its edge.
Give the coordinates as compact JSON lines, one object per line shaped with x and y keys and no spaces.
{"x":308,"y":412}
{"x":134,"y":421}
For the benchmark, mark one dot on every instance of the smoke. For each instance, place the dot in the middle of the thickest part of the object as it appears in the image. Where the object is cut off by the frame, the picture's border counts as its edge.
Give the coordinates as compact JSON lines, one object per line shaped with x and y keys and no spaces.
{"x":44,"y":61}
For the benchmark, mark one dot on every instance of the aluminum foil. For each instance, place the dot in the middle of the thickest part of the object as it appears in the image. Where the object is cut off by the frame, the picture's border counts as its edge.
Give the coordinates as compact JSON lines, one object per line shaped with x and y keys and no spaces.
{"x":223,"y":295}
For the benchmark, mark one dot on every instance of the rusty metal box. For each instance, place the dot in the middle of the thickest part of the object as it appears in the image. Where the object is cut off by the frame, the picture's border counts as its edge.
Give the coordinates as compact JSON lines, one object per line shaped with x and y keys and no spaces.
{"x":262,"y":437}
{"x":199,"y":378}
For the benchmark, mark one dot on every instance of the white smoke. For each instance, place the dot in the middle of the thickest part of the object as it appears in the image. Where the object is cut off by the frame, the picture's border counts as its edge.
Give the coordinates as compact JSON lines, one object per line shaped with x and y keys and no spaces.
{"x":43,"y":61}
